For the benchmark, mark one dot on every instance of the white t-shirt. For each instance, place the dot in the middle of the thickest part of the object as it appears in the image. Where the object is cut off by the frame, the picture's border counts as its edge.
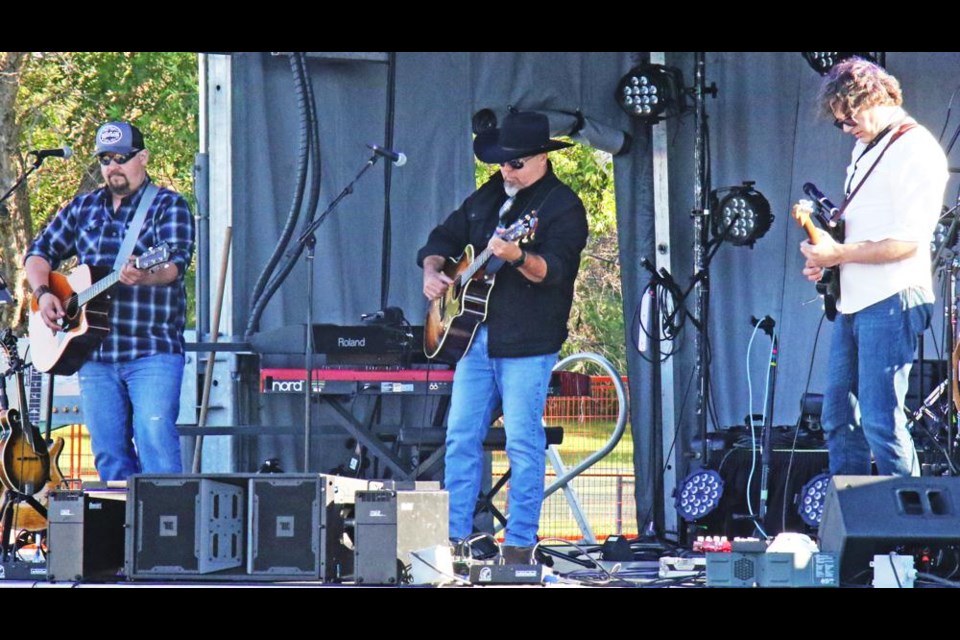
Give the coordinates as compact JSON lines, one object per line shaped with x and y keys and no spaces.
{"x":900,"y":200}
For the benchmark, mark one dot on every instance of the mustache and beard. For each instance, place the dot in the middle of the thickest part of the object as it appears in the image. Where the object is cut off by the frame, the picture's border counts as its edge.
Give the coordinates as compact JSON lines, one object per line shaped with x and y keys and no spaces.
{"x":119,"y":185}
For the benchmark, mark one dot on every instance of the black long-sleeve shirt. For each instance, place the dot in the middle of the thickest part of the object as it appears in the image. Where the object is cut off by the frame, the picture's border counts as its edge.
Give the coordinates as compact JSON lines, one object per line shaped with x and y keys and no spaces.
{"x":524,"y":318}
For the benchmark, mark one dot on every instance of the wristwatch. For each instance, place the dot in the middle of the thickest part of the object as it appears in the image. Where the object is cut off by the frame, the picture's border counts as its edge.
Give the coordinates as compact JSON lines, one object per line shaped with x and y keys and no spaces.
{"x":519,"y":261}
{"x":39,"y":291}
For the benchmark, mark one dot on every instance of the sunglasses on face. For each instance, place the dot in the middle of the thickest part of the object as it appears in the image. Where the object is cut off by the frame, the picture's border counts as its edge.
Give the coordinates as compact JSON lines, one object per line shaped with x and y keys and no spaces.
{"x":120,"y":158}
{"x":516,"y":164}
{"x":846,"y":122}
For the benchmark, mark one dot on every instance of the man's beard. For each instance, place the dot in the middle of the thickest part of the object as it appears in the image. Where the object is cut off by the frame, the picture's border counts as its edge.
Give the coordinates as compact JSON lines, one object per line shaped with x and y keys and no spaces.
{"x":511,"y":189}
{"x":121,"y":188}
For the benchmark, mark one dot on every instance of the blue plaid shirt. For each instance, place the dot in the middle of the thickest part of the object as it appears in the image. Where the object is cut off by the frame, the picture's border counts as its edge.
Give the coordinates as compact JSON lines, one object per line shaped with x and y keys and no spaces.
{"x":144,"y":320}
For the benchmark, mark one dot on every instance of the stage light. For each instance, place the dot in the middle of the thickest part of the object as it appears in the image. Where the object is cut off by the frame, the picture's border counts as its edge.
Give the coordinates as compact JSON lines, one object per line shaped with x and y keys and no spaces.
{"x":823,"y":61}
{"x":810,"y":504}
{"x":699,"y":494}
{"x":742,"y":216}
{"x":651,"y":92}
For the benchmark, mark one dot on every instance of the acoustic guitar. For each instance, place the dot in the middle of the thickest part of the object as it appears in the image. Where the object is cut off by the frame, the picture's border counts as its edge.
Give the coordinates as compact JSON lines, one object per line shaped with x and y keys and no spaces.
{"x":86,"y":320}
{"x":453,"y":318}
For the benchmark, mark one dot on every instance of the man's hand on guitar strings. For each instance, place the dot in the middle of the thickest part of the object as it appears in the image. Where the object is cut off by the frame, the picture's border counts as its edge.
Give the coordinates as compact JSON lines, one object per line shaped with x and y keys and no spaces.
{"x":826,"y":253}
{"x":506,"y":250}
{"x":131,"y":275}
{"x":51,"y":311}
{"x":435,"y":281}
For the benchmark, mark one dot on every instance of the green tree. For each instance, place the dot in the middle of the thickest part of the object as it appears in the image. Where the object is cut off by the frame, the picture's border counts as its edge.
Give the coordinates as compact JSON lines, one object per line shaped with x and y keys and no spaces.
{"x":15,"y":215}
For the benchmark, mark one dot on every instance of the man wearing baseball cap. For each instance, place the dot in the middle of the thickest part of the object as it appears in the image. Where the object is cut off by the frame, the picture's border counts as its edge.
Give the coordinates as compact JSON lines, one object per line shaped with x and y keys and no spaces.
{"x":512,"y":353}
{"x":130,"y":383}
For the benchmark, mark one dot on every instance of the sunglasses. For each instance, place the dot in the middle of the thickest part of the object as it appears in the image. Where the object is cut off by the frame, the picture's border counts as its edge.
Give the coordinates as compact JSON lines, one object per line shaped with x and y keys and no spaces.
{"x":846,"y":122}
{"x":516,"y":164}
{"x":120,"y":158}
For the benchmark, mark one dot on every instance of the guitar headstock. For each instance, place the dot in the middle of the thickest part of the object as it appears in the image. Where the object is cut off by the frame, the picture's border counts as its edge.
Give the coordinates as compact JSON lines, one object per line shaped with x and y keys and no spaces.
{"x":154,"y":256}
{"x":802,"y":211}
{"x":522,"y":228}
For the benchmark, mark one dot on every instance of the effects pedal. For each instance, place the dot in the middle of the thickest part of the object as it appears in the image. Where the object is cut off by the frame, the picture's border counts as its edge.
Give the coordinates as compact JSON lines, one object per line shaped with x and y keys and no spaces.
{"x":681,"y":567}
{"x":481,"y":574}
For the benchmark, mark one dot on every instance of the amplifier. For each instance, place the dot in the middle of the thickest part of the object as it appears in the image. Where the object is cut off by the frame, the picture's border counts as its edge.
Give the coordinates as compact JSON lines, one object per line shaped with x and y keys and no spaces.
{"x":391,"y":524}
{"x":85,"y":535}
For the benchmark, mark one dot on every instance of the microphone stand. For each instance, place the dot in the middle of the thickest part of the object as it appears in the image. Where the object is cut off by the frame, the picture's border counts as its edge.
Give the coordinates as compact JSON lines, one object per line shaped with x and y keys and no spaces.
{"x":23,"y":176}
{"x":308,"y":240}
{"x":767,"y":325}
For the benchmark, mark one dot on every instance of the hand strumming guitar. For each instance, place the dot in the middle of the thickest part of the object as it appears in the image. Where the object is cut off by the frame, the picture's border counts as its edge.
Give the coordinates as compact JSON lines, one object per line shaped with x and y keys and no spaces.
{"x":435,"y":281}
{"x":51,"y":311}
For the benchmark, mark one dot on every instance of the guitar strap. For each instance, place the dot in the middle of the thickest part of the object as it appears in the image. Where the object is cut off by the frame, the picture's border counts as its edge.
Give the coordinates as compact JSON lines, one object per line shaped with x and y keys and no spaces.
{"x":906,"y":126}
{"x":133,"y":231}
{"x":535,"y":204}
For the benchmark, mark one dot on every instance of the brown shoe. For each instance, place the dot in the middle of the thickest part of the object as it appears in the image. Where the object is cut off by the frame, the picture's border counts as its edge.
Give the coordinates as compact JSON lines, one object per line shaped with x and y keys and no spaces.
{"x":516,"y":555}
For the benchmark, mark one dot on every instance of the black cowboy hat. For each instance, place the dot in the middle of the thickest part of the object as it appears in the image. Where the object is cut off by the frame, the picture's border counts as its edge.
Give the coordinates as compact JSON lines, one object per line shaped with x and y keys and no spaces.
{"x":524,"y":133}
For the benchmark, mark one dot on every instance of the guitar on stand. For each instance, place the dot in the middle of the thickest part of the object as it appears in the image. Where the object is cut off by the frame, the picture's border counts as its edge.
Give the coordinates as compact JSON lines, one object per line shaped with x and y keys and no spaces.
{"x":453,"y":318}
{"x":29,"y":469}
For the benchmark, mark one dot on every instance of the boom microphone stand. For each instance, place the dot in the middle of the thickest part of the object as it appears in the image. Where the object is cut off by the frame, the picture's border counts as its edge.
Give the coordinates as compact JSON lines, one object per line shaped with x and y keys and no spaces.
{"x":308,"y":240}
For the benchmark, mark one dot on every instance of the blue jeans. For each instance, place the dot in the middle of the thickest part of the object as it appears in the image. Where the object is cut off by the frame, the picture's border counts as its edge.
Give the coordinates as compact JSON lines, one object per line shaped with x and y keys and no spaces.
{"x":131,"y":412}
{"x":863,"y":408}
{"x":480,"y":385}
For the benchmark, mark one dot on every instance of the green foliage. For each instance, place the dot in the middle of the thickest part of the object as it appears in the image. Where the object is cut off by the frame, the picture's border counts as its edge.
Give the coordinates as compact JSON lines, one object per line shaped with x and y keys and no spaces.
{"x":596,"y":322}
{"x":64,"y":97}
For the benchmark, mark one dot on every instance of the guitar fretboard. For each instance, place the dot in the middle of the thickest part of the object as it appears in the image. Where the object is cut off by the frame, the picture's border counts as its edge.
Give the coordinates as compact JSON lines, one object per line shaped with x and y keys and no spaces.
{"x":518,"y":230}
{"x":476,"y":265}
{"x":97,"y":288}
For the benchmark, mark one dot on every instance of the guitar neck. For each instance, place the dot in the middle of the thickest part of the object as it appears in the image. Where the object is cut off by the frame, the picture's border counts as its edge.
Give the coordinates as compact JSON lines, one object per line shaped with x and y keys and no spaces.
{"x":478,"y":263}
{"x":97,"y":288}
{"x":811,"y":231}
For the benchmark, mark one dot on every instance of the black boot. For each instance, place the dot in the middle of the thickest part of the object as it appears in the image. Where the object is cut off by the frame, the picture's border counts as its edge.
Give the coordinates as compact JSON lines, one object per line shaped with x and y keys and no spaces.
{"x":516,"y":555}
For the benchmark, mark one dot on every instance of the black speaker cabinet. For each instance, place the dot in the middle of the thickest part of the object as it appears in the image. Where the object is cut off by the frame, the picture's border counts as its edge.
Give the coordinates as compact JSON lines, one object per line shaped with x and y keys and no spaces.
{"x":234,"y":527}
{"x":85,"y":536}
{"x":284,"y":536}
{"x":185,"y":526}
{"x":868,"y":515}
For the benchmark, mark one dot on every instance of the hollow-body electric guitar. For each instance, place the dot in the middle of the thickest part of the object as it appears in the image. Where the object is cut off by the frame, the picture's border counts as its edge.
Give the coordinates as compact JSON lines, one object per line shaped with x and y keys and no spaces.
{"x":453,"y":318}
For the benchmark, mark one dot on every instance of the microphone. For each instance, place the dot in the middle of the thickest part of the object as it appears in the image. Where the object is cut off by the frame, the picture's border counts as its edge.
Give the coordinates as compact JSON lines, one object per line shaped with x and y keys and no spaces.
{"x":62,"y":152}
{"x":811,"y":190}
{"x":398,"y":158}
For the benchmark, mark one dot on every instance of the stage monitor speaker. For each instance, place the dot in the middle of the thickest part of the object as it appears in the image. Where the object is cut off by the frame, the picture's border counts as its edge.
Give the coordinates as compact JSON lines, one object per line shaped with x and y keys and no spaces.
{"x":85,"y":536}
{"x":868,"y":515}
{"x":285,"y":526}
{"x":229,"y":527}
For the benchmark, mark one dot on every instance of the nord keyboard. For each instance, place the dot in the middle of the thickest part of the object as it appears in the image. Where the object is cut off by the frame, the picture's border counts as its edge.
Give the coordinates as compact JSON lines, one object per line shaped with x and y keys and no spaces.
{"x":353,"y":381}
{"x":328,"y":381}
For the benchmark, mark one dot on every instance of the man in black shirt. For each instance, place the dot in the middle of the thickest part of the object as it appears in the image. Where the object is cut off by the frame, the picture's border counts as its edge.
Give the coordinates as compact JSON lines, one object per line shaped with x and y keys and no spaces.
{"x":512,"y":354}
